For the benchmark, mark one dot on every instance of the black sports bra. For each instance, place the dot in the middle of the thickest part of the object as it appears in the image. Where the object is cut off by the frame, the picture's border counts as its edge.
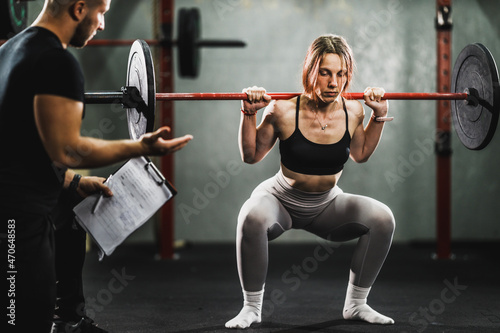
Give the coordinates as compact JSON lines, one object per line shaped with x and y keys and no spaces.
{"x":303,"y":156}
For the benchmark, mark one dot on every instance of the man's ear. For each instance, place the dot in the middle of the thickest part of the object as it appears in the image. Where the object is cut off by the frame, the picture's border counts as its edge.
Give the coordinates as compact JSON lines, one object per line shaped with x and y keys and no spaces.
{"x":78,"y":10}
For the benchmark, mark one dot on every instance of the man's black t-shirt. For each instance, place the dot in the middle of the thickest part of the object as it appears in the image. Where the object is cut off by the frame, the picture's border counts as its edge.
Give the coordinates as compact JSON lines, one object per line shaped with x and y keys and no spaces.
{"x":31,"y":63}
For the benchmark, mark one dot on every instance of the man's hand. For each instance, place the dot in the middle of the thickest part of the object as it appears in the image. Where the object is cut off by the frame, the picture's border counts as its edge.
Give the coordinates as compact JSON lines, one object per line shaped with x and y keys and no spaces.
{"x":158,"y":143}
{"x":91,"y":185}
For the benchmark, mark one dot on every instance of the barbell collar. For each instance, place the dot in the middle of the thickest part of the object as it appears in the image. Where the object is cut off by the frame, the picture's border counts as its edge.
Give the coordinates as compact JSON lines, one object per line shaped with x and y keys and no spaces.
{"x":473,"y":96}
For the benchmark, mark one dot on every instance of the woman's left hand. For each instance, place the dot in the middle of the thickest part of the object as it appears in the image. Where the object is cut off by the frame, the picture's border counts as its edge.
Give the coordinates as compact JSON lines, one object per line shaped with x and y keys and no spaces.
{"x":373,"y":98}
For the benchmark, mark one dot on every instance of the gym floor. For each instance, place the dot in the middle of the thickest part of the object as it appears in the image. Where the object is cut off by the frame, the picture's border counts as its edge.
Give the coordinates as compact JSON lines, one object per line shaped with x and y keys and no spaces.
{"x":131,"y":291}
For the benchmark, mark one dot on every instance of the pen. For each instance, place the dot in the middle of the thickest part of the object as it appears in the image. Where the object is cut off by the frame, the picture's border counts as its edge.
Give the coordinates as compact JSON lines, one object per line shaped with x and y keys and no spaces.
{"x":99,"y":199}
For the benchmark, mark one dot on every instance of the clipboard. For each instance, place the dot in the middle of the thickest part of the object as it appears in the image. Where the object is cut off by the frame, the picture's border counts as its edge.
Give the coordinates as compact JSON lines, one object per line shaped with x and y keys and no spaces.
{"x":139,"y":191}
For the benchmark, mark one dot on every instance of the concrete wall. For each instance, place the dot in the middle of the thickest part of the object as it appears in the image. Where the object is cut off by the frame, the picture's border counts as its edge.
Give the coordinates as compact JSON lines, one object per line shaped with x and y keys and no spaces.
{"x":395,"y":47}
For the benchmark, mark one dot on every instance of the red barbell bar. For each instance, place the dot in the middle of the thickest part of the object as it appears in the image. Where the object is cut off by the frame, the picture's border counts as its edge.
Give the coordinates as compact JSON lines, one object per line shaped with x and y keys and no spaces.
{"x":242,"y":96}
{"x":116,"y":97}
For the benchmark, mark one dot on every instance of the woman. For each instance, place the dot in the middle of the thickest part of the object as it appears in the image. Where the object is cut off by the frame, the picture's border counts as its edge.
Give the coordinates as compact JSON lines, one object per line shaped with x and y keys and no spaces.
{"x":318,"y":131}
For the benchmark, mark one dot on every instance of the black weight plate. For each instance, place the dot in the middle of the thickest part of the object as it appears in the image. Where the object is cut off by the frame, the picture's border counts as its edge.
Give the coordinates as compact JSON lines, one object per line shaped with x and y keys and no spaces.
{"x":188,"y":30}
{"x":140,"y":74}
{"x":475,"y":68}
{"x":13,"y":17}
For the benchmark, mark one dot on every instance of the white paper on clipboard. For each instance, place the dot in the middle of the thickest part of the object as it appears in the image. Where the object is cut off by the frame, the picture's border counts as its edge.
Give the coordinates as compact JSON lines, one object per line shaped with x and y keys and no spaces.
{"x":139,"y":191}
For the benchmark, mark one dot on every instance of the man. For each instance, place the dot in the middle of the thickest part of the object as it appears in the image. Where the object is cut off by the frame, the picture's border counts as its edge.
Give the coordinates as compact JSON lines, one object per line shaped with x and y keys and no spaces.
{"x":41,"y":109}
{"x":70,"y":250}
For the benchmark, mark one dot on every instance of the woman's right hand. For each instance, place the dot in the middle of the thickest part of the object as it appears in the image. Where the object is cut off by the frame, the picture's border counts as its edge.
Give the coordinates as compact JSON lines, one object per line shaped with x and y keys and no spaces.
{"x":256,"y":100}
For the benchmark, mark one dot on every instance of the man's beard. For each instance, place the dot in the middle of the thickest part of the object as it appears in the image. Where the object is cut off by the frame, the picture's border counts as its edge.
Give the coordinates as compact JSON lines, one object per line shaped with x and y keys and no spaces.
{"x":82,"y":33}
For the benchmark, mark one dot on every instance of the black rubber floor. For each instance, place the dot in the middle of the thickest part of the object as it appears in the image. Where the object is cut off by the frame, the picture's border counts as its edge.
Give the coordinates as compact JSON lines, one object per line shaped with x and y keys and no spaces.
{"x":131,"y":291}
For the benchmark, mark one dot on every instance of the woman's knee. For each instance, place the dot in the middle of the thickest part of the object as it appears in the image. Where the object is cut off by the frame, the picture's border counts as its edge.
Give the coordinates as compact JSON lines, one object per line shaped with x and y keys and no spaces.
{"x":252,"y":223}
{"x":372,"y":213}
{"x":384,"y":220}
{"x":258,"y":216}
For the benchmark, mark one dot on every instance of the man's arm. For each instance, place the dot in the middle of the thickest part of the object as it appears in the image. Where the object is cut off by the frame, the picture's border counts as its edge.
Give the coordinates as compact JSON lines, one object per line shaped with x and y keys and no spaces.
{"x":58,"y":120}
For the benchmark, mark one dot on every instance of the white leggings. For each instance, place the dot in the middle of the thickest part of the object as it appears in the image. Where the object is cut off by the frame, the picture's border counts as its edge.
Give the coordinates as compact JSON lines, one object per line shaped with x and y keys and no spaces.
{"x":275,"y":207}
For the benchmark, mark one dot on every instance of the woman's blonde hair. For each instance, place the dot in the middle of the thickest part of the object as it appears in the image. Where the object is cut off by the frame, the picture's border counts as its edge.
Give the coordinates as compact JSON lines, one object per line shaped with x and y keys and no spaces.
{"x":320,"y":46}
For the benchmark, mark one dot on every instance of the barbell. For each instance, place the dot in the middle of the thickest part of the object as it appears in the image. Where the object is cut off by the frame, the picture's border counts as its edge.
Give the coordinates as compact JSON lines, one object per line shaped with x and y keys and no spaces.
{"x":475,"y":94}
{"x":13,"y":19}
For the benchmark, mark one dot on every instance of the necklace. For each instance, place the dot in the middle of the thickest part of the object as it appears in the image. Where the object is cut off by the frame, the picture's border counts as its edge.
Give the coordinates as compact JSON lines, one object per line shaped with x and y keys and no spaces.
{"x":323,"y":127}
{"x":319,"y":122}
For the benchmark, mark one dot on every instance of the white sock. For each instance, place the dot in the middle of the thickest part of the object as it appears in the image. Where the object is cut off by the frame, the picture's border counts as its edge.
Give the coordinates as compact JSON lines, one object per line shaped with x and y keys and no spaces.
{"x":355,"y":307}
{"x":251,"y":311}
